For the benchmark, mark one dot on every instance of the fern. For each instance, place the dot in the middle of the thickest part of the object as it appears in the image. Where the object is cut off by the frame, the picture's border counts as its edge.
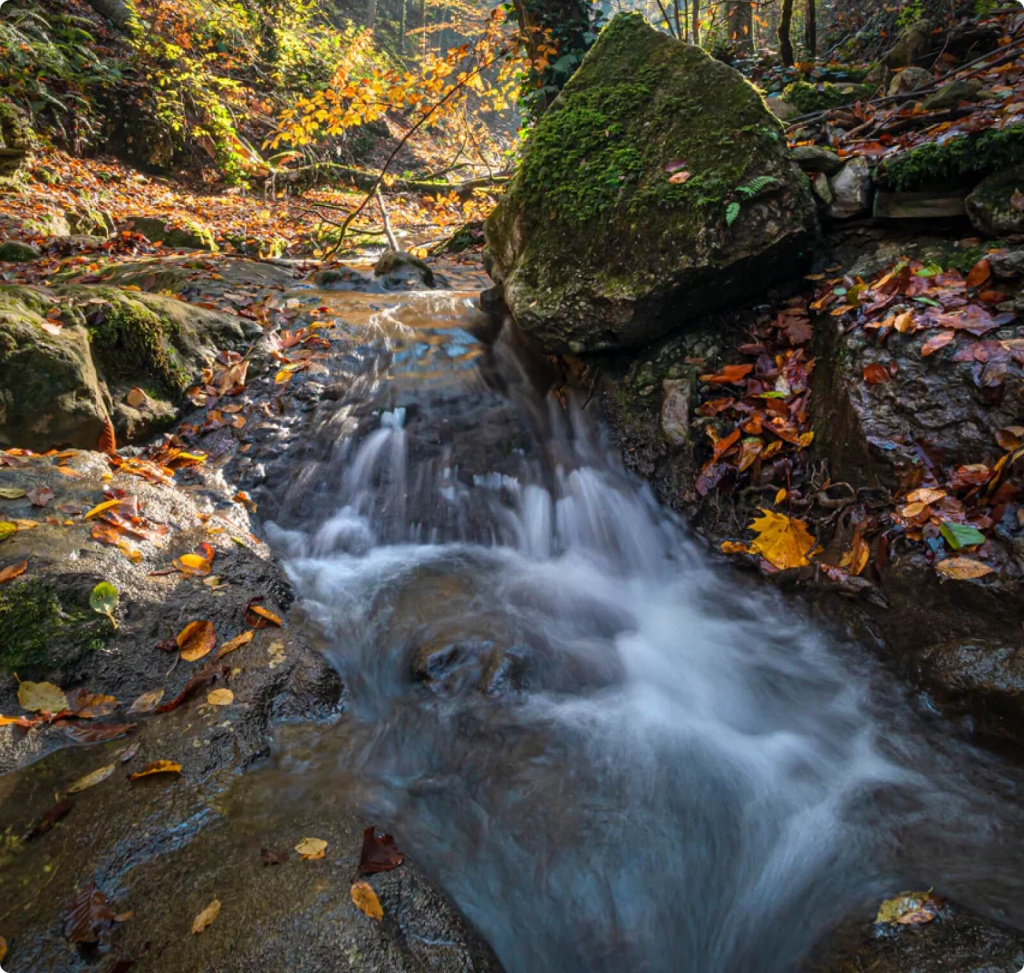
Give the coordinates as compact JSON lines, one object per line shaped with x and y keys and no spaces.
{"x":731,"y":212}
{"x":756,"y":185}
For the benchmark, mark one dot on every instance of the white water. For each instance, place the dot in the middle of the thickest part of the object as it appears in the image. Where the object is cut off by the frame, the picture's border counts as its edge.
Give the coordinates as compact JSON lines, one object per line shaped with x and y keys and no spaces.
{"x":623,"y":757}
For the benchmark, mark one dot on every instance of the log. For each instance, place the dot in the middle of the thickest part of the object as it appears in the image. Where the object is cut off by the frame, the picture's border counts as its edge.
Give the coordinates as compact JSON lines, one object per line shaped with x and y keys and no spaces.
{"x":918,"y":206}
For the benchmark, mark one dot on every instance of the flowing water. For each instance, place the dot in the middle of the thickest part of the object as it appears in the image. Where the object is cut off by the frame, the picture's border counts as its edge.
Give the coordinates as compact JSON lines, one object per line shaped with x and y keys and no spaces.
{"x":611,"y":753}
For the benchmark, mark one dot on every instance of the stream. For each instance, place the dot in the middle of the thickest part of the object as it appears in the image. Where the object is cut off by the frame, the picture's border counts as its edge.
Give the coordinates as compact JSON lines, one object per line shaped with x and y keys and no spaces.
{"x":612,"y":753}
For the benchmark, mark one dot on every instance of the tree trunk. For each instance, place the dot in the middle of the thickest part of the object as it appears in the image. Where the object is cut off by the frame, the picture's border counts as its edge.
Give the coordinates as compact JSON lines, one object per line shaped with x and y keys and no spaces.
{"x":679,"y":25}
{"x":785,"y":43}
{"x":116,"y":11}
{"x":371,"y":13}
{"x":403,"y":26}
{"x":811,"y":29}
{"x":741,"y":25}
{"x":696,"y":22}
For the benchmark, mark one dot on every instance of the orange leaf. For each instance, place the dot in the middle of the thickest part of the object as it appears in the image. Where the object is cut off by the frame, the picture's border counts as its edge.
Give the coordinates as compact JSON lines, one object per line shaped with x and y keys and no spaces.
{"x":875,"y":374}
{"x":236,"y":643}
{"x":192,"y":564}
{"x":365,"y":899}
{"x":962,"y":568}
{"x":196,"y":640}
{"x":784,"y":542}
{"x":102,"y":508}
{"x":12,"y":571}
{"x":259,"y":617}
{"x":157,"y":767}
{"x":107,"y":442}
{"x":937,"y":341}
{"x":980,"y":272}
{"x":729,"y":375}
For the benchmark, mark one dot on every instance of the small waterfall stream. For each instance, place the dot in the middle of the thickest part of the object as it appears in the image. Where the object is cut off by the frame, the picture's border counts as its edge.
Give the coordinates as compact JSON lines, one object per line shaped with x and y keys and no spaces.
{"x":612,"y":754}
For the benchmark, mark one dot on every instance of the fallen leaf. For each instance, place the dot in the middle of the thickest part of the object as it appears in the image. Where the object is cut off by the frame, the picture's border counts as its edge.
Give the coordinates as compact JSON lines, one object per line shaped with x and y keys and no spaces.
{"x":379,"y":854}
{"x":102,"y":508}
{"x":784,"y":542}
{"x":1010,"y":437}
{"x":90,"y":706}
{"x":49,"y":820}
{"x":42,"y":697}
{"x":7,"y":529}
{"x":876,"y":374}
{"x":136,"y":397}
{"x":910,"y":908}
{"x":980,"y":272}
{"x":935,"y":342}
{"x":679,"y":177}
{"x":93,"y":734}
{"x":961,"y":535}
{"x":196,"y":640}
{"x":729,"y":375}
{"x":926,"y":495}
{"x":236,"y":643}
{"x":12,"y":571}
{"x":107,"y":442}
{"x":88,"y":916}
{"x":311,"y":849}
{"x":147,"y":702}
{"x":91,"y":780}
{"x":196,"y":683}
{"x":104,"y":599}
{"x":366,"y":901}
{"x":11,"y":493}
{"x":221,"y":697}
{"x":962,"y":568}
{"x":194,"y":564}
{"x":259,"y":617}
{"x":206,"y":918}
{"x":157,"y":767}
{"x":40,"y":496}
{"x":272,"y":857}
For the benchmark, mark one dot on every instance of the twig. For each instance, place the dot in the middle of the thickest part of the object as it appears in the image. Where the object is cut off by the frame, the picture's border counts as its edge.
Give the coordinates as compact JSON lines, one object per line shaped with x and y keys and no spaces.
{"x":392,"y":242}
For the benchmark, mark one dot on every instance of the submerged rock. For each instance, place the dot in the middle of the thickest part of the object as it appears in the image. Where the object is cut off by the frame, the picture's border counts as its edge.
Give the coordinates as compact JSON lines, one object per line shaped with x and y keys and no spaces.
{"x":655,"y":189}
{"x":398,"y":267}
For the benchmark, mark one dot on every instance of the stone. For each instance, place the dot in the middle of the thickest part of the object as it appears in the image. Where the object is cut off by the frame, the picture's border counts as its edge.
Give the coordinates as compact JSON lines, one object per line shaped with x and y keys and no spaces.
{"x":822,"y":189}
{"x":86,"y":221}
{"x":677,"y":411}
{"x":914,"y":46}
{"x":851,"y":190}
{"x":910,"y":79}
{"x":656,"y":189}
{"x":917,"y":206}
{"x":807,"y":97}
{"x":14,"y":252}
{"x":996,"y":206}
{"x":398,"y":267}
{"x":187,"y":236}
{"x":15,"y":138}
{"x":1008,"y":265}
{"x":817,"y":158}
{"x":782,"y":110}
{"x":950,"y":95}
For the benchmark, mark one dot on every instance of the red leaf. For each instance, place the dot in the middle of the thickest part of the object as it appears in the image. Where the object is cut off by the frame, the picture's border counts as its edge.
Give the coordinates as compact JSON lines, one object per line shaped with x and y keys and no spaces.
{"x":88,"y":916}
{"x":107,"y":442}
{"x":49,"y":819}
{"x":193,"y":686}
{"x":980,"y":272}
{"x":875,"y":374}
{"x":379,"y":854}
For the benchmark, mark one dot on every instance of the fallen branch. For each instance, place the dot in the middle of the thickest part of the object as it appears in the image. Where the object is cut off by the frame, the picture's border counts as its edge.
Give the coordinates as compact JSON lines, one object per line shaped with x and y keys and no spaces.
{"x":368,"y":181}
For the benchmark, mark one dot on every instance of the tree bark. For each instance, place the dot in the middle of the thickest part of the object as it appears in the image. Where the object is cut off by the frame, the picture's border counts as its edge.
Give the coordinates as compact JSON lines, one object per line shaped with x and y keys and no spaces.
{"x":371,"y":13}
{"x":741,"y":25}
{"x":811,"y":29}
{"x":696,"y":22}
{"x":116,"y":11}
{"x":785,"y":25}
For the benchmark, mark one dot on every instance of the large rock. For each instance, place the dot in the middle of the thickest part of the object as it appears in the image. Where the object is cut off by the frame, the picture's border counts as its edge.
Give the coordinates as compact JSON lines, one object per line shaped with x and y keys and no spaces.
{"x":175,"y":234}
{"x":996,"y":207}
{"x":655,"y":189}
{"x":15,"y":138}
{"x":61,"y":377}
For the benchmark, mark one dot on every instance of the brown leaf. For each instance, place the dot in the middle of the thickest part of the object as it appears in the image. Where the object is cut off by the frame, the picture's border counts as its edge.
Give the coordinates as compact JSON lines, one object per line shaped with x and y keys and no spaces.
{"x":205,"y":918}
{"x":196,"y":683}
{"x":1009,"y":438}
{"x":876,"y":374}
{"x":91,"y":780}
{"x":937,"y":341}
{"x":365,"y":899}
{"x":980,"y":272}
{"x":157,"y":767}
{"x":40,"y":496}
{"x":136,"y":397}
{"x":93,"y":734}
{"x":962,"y":568}
{"x":90,"y":706}
{"x":147,"y":702}
{"x":272,"y":857}
{"x":730,"y":375}
{"x":12,"y":571}
{"x":259,"y":617}
{"x":46,"y":823}
{"x":88,"y":916}
{"x":220,"y":697}
{"x":379,"y":854}
{"x":196,"y":640}
{"x":236,"y":643}
{"x":107,"y":443}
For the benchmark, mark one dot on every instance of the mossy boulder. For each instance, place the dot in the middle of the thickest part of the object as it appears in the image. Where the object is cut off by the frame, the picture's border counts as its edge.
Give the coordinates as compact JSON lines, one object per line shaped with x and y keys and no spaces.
{"x":656,"y":188}
{"x":11,"y":251}
{"x":806,"y":97}
{"x":15,"y":138}
{"x":58,"y":384}
{"x":996,"y":207}
{"x":176,"y":235}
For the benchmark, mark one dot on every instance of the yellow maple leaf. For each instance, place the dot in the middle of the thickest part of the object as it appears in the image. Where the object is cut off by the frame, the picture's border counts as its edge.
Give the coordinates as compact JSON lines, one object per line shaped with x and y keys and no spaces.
{"x":784,"y":542}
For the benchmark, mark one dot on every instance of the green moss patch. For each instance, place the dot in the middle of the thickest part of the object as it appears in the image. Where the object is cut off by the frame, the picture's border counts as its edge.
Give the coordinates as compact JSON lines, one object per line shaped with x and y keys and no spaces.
{"x":40,"y":632}
{"x":962,"y":159}
{"x":808,"y":97}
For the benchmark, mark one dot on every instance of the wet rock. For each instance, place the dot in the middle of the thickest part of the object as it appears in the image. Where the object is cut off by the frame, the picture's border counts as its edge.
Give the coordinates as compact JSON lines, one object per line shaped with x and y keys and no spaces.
{"x":174,"y":235}
{"x":981,"y":678}
{"x":340,"y":278}
{"x":996,"y":207}
{"x":1008,"y":265}
{"x":782,"y":110}
{"x":955,"y":942}
{"x":822,"y":189}
{"x":816,"y":158}
{"x":11,"y":251}
{"x":909,"y":79}
{"x":398,"y":267}
{"x":607,"y":241}
{"x":851,"y":190}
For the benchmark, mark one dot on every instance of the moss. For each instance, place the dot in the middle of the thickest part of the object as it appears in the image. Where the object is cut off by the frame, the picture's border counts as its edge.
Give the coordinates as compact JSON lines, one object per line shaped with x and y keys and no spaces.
{"x":38,"y":631}
{"x":128,"y":338}
{"x":14,"y":252}
{"x":958,"y":160}
{"x":818,"y":97}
